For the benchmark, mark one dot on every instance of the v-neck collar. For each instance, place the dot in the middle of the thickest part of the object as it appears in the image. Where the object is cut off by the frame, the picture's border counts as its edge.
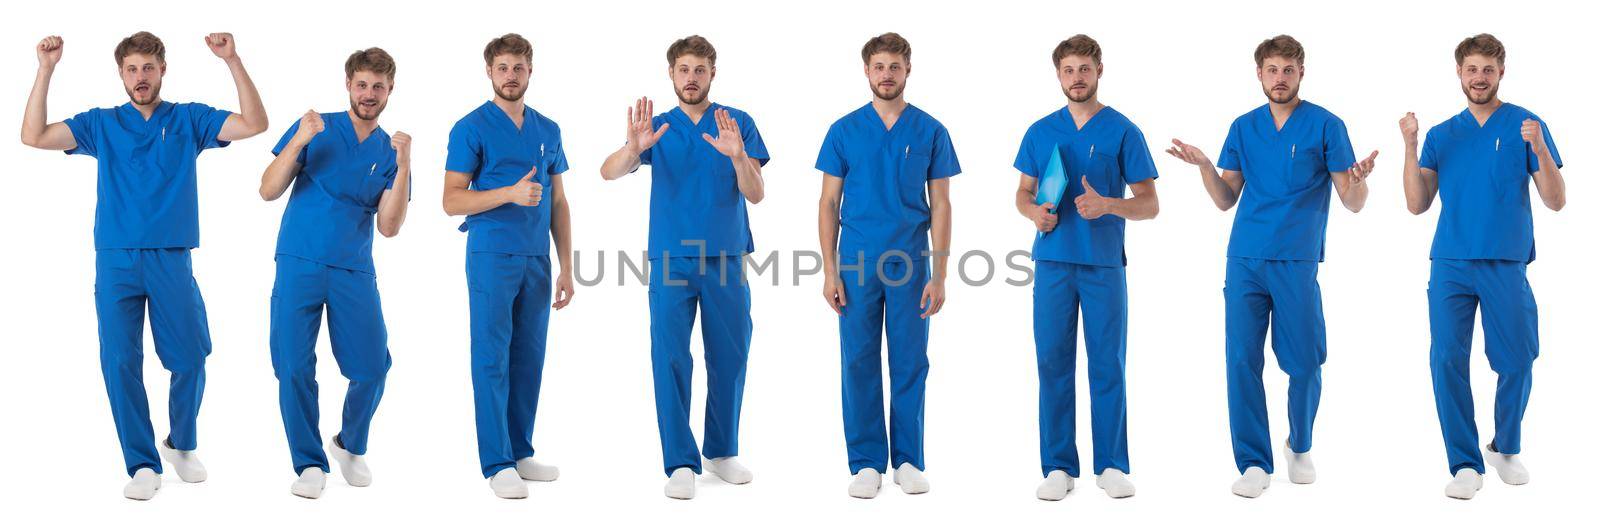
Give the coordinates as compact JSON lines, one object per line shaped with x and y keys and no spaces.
{"x":883,"y":127}
{"x":349,"y":130}
{"x":711,"y":110}
{"x":1072,"y":124}
{"x":160,"y":110}
{"x":491,"y":106}
{"x":1272,"y":120}
{"x":1473,"y":119}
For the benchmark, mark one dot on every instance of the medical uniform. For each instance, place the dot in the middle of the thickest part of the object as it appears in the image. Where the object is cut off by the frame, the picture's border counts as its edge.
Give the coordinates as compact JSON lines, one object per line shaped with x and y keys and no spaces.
{"x":1273,"y":254}
{"x":699,"y":233}
{"x":324,"y":260}
{"x":1481,"y":252}
{"x":146,"y":220}
{"x":508,"y":274}
{"x":1080,"y":264}
{"x":883,"y":251}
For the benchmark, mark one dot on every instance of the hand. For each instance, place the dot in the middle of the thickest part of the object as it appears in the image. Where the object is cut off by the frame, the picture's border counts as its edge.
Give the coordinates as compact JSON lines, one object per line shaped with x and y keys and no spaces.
{"x":1533,"y":133}
{"x":310,"y":125}
{"x":640,"y":138}
{"x":49,"y":51}
{"x":1408,"y":129}
{"x":932,"y":298}
{"x":1092,"y":205}
{"x":526,"y":192}
{"x":1360,"y":170}
{"x":1044,"y":217}
{"x":833,"y":293}
{"x":221,"y":45}
{"x":563,"y":290}
{"x":1188,"y":153}
{"x":402,"y":148}
{"x":730,"y":139}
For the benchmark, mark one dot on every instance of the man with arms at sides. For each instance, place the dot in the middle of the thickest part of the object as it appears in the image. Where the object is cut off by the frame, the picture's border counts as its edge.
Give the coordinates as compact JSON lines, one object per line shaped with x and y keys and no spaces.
{"x":345,"y":170}
{"x":146,"y":222}
{"x":705,"y":161}
{"x":501,"y":158}
{"x":886,"y":169}
{"x":1479,"y":163}
{"x":1278,"y":164}
{"x":1079,"y":263}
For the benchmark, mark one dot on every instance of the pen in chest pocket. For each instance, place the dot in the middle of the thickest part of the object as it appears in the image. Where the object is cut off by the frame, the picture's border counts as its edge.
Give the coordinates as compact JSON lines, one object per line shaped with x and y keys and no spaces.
{"x":1497,"y":144}
{"x":908,"y":152}
{"x":1291,"y":150}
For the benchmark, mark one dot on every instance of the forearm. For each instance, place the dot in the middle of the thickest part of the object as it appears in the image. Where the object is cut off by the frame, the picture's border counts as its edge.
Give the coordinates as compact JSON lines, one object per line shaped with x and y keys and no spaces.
{"x":280,"y":173}
{"x":561,"y":232}
{"x":1222,"y":194}
{"x":250,"y":108}
{"x":621,"y":162}
{"x":1419,"y":190}
{"x":828,"y":236}
{"x":748,"y":172}
{"x":940,"y":230}
{"x":1136,"y":208}
{"x":395,"y":202}
{"x":1552,"y":187}
{"x":1025,"y":199}
{"x":466,"y":201}
{"x":33,"y":118}
{"x":1352,"y":195}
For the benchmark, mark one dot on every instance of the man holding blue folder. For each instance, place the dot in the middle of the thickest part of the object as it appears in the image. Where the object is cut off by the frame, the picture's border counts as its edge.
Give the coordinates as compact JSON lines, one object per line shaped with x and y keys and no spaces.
{"x":1090,"y":153}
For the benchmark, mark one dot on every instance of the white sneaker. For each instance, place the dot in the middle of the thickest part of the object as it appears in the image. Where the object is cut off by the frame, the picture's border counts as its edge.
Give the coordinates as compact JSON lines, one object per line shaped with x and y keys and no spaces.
{"x":1056,"y":486}
{"x":1116,"y":483}
{"x":1509,"y":467}
{"x":530,"y":469}
{"x":865,"y":484}
{"x":186,"y":463}
{"x":1465,"y":485}
{"x":729,"y":470}
{"x":1253,"y":483}
{"x":310,"y":484}
{"x":1301,"y":471}
{"x":910,"y":479}
{"x":352,"y":467}
{"x":143,"y":486}
{"x":681,"y":484}
{"x":508,"y":485}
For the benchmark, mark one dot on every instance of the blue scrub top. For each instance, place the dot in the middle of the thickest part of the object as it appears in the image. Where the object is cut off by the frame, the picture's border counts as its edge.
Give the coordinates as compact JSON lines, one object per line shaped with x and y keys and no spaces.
{"x":885,"y":174}
{"x":330,"y":213}
{"x":694,"y":193}
{"x":489,"y":147}
{"x":1111,"y":151}
{"x":1483,"y":184}
{"x":1283,"y":214}
{"x":146,"y":193}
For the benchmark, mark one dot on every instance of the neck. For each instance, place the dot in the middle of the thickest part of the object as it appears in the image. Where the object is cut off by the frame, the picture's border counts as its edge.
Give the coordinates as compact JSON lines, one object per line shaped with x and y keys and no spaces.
{"x":888,"y":107}
{"x":695,"y":111}
{"x":513,"y":108}
{"x":147,"y":109}
{"x":1285,"y":108}
{"x":1483,"y":111}
{"x":363,"y":126}
{"x":1083,"y":110}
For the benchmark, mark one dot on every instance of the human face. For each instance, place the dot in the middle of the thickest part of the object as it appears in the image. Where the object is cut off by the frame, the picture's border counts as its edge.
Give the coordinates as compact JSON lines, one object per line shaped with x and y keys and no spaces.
{"x":1480,"y":78}
{"x":141,"y":78}
{"x":1280,"y":79}
{"x":691,"y":78}
{"x":508,"y":75}
{"x":1080,"y":77}
{"x":369,"y":94}
{"x":886,"y":75}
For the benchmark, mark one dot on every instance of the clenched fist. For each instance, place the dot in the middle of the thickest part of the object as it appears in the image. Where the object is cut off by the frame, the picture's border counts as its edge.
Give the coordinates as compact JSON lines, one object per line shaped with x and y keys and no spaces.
{"x":402,"y":148}
{"x":49,"y":51}
{"x":310,"y":125}
{"x":221,"y":45}
{"x":1408,"y":128}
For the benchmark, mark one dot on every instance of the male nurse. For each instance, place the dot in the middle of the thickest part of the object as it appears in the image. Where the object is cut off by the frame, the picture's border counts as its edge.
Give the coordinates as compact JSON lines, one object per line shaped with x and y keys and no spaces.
{"x":501,"y":158}
{"x":886,"y":184}
{"x":345,"y":170}
{"x":1079,"y":264}
{"x":145,"y":223}
{"x":1277,"y":164}
{"x":705,"y":161}
{"x":1479,"y":163}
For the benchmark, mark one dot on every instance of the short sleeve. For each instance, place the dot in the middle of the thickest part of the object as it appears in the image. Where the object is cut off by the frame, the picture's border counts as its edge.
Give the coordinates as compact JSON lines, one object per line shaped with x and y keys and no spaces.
{"x":1134,"y":157}
{"x":1337,"y":153}
{"x":85,"y":128}
{"x":1429,"y":158}
{"x":1232,"y":150}
{"x":464,"y":153}
{"x":647,"y":156}
{"x":284,"y":143}
{"x":943,"y":163}
{"x":753,"y":145}
{"x":1025,"y":162}
{"x":831,"y":160}
{"x":208,"y":122}
{"x":557,"y":159}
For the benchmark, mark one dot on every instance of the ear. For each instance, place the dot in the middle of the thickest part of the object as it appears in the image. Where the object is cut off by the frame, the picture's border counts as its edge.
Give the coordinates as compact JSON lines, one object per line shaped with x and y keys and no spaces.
{"x":1099,"y":71}
{"x":713,"y":72}
{"x":163,"y":69}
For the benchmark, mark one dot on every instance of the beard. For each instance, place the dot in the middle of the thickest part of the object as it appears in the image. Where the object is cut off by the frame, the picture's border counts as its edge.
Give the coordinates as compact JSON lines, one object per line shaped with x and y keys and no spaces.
{"x":153,"y":94}
{"x":701,"y":92}
{"x":367,"y":113}
{"x":891,"y":93}
{"x":1488,"y":95}
{"x":1288,"y":96}
{"x":511,"y":93}
{"x":1086,"y":96}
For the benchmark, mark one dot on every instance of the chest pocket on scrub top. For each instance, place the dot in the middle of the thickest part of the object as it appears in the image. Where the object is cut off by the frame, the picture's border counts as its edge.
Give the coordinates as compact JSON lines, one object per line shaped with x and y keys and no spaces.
{"x":913,"y":175}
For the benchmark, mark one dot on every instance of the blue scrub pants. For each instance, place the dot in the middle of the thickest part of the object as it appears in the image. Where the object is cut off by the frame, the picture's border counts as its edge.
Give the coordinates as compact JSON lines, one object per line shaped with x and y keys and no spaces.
{"x":677,"y":285}
{"x":360,"y":347}
{"x":1059,"y":290}
{"x":510,"y":304}
{"x":1285,"y":295}
{"x":1456,"y":289}
{"x":126,"y":281}
{"x":878,"y":301}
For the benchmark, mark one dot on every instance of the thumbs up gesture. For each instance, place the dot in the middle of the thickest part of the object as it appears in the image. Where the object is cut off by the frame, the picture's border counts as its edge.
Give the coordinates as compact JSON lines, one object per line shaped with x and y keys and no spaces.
{"x":1092,"y":205}
{"x":526,"y":192}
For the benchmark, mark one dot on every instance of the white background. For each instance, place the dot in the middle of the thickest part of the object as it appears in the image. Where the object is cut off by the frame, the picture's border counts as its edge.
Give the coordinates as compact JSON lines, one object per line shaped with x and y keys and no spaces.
{"x":1179,"y":70}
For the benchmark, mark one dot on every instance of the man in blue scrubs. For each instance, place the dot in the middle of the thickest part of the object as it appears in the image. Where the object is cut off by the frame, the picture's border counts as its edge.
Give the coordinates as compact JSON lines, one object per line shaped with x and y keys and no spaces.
{"x":706,"y":161}
{"x":1277,"y":164}
{"x":885,"y":186}
{"x":1479,"y":163}
{"x":345,"y":170}
{"x":1079,"y":263}
{"x":146,"y":222}
{"x":502,"y":157}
